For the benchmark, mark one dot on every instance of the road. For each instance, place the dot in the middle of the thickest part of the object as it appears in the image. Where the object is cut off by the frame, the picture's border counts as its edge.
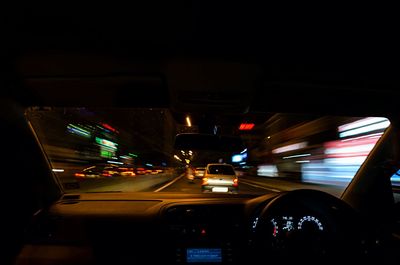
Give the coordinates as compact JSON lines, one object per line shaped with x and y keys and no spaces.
{"x":177,"y":183}
{"x":183,"y":185}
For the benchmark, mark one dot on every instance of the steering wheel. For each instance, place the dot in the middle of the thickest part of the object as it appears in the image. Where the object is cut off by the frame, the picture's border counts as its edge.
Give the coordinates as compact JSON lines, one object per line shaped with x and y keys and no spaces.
{"x":307,"y":225}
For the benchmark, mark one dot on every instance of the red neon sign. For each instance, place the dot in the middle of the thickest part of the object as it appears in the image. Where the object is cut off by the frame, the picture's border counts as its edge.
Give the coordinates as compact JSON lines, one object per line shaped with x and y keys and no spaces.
{"x":246,"y":126}
{"x":109,"y":127}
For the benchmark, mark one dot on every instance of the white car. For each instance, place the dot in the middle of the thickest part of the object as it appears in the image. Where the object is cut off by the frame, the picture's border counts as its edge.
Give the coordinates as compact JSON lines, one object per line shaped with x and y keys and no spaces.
{"x":199,"y":172}
{"x":220,"y":178}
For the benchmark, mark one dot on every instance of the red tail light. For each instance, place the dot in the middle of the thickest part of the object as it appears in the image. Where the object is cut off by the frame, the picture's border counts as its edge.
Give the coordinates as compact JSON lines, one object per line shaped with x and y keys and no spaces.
{"x":106,"y":175}
{"x":205,"y":181}
{"x":79,"y":175}
{"x":235,"y":182}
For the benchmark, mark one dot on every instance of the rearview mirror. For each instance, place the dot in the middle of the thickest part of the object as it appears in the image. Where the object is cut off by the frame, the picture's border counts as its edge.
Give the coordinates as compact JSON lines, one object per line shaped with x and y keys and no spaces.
{"x":196,"y":141}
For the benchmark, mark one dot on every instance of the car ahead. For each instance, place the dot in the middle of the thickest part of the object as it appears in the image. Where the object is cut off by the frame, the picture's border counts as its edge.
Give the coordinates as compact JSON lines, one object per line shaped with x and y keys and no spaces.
{"x":99,"y":171}
{"x":199,"y":172}
{"x":151,"y":171}
{"x":126,"y":171}
{"x":220,"y":178}
{"x":140,"y":171}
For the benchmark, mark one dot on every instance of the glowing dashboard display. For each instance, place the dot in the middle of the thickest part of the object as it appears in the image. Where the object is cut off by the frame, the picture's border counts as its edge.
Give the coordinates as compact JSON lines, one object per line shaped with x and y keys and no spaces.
{"x":203,"y":255}
{"x":283,"y":225}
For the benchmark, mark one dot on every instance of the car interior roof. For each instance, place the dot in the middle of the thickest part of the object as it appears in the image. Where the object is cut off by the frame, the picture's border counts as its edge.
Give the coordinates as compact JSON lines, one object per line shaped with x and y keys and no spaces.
{"x":197,"y":56}
{"x":197,"y":85}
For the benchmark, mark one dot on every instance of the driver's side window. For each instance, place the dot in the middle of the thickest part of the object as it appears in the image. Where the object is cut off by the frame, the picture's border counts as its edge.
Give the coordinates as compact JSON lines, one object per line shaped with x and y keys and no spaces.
{"x":395,"y":179}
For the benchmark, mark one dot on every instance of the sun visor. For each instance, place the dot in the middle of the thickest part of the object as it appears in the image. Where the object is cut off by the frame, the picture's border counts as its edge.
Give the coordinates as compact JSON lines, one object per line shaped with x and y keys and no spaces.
{"x":205,"y":87}
{"x":97,"y":91}
{"x":96,"y":81}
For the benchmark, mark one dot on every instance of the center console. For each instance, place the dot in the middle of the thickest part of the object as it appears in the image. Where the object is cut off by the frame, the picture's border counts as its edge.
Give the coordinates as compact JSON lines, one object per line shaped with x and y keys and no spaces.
{"x":195,"y":240}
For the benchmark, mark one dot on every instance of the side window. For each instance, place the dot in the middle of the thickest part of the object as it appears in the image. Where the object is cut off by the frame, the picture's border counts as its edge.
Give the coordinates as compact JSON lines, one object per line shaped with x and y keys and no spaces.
{"x":396,"y":186}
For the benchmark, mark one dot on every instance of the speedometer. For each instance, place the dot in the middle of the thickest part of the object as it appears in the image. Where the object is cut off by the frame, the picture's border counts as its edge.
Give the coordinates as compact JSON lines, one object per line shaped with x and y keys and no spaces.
{"x":310,"y":223}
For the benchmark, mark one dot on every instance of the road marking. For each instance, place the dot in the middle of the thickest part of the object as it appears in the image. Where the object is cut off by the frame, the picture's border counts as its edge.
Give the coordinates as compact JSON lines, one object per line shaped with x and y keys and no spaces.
{"x":170,"y":183}
{"x":258,"y":186}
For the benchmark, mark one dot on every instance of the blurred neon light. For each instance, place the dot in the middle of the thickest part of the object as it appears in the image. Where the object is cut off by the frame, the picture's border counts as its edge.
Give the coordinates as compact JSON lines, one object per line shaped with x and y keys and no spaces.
{"x":370,"y":136}
{"x":115,"y":162}
{"x":356,"y":150}
{"x":78,"y":130}
{"x":267,"y":170}
{"x":365,"y":129}
{"x":58,"y":170}
{"x":244,"y":151}
{"x":353,"y":160}
{"x":246,"y":126}
{"x":294,"y":156}
{"x":365,"y":148}
{"x":237,"y":158}
{"x":106,"y":143}
{"x":105,"y":153}
{"x":290,"y":147}
{"x":177,"y":158}
{"x":303,"y":161}
{"x":360,"y":123}
{"x":342,"y":160}
{"x":109,"y":127}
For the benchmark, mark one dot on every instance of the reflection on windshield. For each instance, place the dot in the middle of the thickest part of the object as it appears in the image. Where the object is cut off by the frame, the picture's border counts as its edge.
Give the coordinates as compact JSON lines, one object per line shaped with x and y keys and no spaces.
{"x":132,"y":150}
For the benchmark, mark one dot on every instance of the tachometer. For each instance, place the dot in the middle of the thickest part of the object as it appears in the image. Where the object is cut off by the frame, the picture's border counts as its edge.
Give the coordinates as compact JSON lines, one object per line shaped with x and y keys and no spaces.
{"x":310,"y":223}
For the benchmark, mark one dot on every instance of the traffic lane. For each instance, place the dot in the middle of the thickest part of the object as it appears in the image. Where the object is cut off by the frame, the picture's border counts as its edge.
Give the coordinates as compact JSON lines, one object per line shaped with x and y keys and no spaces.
{"x":184,"y":185}
{"x":177,"y":183}
{"x":253,"y":185}
{"x":121,"y":184}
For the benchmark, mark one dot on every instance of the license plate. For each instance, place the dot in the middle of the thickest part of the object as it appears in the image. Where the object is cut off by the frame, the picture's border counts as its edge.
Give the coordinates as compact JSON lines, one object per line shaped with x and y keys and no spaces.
{"x":220,"y":189}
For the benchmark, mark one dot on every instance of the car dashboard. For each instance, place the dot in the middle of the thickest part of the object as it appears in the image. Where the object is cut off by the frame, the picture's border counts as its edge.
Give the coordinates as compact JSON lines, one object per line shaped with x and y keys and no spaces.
{"x":178,"y":229}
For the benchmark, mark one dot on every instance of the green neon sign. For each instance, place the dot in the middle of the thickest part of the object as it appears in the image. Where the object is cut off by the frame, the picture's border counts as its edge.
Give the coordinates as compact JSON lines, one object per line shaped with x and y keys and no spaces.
{"x":106,"y":143}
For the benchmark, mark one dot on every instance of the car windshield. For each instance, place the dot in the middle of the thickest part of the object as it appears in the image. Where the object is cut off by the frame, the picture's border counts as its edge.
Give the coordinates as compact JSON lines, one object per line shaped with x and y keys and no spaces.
{"x":220,"y":170}
{"x":132,"y":150}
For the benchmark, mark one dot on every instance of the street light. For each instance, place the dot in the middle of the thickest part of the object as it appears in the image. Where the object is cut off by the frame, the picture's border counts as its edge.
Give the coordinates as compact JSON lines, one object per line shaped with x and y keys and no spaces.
{"x":189,"y":123}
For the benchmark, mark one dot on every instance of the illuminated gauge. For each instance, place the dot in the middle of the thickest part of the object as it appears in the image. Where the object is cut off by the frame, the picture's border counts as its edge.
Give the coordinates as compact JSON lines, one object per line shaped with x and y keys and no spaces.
{"x":287,"y":223}
{"x":310,"y":223}
{"x":255,"y":223}
{"x":275,"y":228}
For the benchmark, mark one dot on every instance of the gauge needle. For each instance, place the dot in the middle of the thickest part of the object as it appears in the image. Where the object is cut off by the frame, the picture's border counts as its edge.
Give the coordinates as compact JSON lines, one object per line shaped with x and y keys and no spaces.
{"x":274,"y":232}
